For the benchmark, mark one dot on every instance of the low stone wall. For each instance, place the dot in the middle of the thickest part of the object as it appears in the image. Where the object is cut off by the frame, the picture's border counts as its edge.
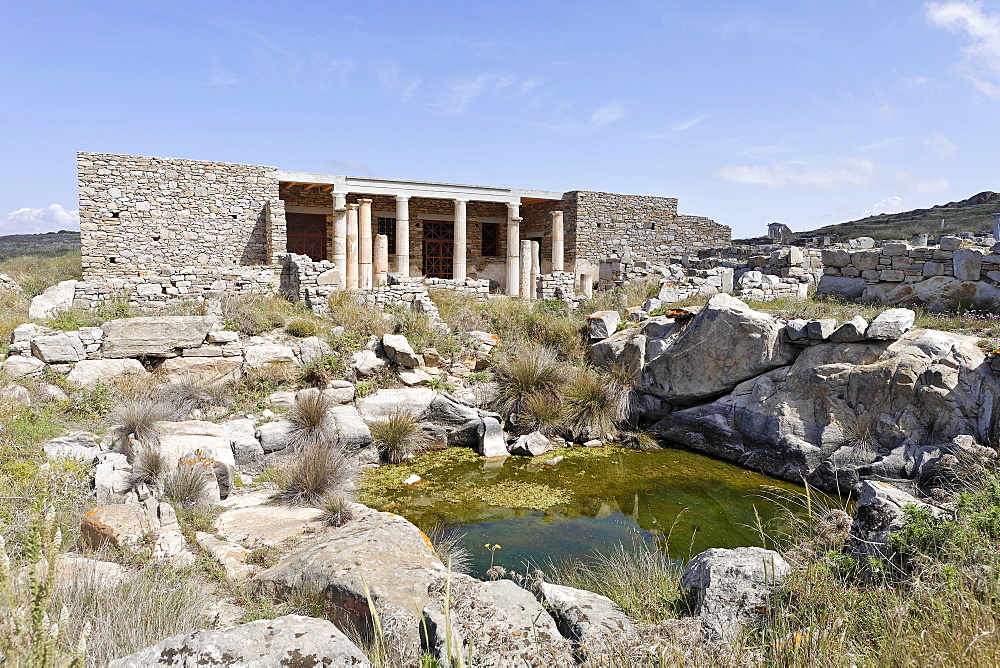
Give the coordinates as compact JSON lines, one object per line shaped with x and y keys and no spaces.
{"x":559,"y":285}
{"x":478,"y":287}
{"x":407,"y":292}
{"x":309,"y":281}
{"x":156,"y":290}
{"x":898,"y":273}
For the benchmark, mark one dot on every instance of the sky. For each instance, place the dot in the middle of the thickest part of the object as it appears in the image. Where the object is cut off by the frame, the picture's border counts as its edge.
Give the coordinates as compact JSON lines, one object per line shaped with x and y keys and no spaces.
{"x":804,"y":112}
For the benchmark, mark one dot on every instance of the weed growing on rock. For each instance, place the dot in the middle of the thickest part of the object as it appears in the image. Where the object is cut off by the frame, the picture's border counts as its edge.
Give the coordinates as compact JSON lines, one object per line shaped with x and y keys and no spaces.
{"x":535,"y":370}
{"x":336,"y":509}
{"x":151,"y":469}
{"x":318,"y":471}
{"x":138,"y":418}
{"x":302,"y":327}
{"x":449,"y":549}
{"x":397,"y":436}
{"x":190,"y":484}
{"x":312,"y":423}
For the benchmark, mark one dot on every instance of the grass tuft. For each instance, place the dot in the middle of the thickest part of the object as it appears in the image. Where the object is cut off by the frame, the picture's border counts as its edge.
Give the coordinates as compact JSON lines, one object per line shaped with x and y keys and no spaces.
{"x":397,"y":437}
{"x":317,"y":473}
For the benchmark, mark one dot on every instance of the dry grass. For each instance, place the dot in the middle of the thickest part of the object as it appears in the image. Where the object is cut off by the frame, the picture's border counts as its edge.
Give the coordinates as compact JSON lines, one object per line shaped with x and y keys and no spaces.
{"x":595,"y":403}
{"x":397,"y":437}
{"x":190,"y":485}
{"x":522,"y":375}
{"x":318,"y":473}
{"x":139,"y":416}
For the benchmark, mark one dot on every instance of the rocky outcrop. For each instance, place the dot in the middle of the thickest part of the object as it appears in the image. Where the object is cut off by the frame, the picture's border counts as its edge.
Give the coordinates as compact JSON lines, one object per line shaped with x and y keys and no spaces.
{"x":842,"y":412}
{"x":88,"y":373}
{"x":729,"y":588}
{"x":377,"y":560}
{"x":292,"y":640}
{"x":595,"y":625}
{"x":53,"y":300}
{"x":163,"y":336}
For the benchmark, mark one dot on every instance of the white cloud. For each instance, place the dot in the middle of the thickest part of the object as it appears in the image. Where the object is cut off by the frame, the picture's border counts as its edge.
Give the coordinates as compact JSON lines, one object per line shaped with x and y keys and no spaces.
{"x":981,"y":56}
{"x":220,"y":76}
{"x":941,"y":145}
{"x":681,"y":126}
{"x":31,"y":220}
{"x":893,"y":204}
{"x":606,"y":115}
{"x":461,"y":94}
{"x":853,"y":173}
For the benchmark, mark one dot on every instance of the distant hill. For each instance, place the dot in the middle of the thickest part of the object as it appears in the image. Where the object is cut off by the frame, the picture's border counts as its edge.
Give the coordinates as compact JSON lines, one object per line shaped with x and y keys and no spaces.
{"x":16,"y":245}
{"x":969,"y":215}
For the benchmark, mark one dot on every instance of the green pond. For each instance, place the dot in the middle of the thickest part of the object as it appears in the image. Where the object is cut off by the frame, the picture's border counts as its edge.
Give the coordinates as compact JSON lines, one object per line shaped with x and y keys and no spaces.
{"x":592,"y":500}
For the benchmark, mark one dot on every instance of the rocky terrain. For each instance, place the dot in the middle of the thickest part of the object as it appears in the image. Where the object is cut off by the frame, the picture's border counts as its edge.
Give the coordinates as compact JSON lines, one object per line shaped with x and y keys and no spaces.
{"x":17,"y":245}
{"x":232,"y":453}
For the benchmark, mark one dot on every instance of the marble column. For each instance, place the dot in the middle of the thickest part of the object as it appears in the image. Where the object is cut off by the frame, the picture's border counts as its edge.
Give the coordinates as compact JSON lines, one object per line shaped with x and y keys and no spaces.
{"x":558,"y":255}
{"x":524,"y":288}
{"x":351,"y":251}
{"x":461,"y":271}
{"x":339,"y":254}
{"x":365,"y":244}
{"x":536,"y":269}
{"x":380,"y":260}
{"x":403,"y":235}
{"x":513,"y":248}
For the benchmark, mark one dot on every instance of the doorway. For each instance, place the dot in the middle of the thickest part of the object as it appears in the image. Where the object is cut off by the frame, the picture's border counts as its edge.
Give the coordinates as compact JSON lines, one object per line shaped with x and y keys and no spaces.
{"x":307,"y":234}
{"x":439,"y":248}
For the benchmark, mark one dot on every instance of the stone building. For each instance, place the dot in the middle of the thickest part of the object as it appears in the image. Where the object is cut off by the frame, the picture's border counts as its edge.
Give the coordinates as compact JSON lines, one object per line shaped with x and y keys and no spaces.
{"x":188,"y":226}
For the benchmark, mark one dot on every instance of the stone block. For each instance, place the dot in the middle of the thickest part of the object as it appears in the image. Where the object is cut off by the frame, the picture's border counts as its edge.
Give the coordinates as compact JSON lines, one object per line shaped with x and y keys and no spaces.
{"x":835,"y":257}
{"x":818,"y":330}
{"x":863,"y":260}
{"x":932,"y":269}
{"x":949,"y":243}
{"x":968,"y":264}
{"x":895,"y":249}
{"x":890,"y":324}
{"x":892,"y":276}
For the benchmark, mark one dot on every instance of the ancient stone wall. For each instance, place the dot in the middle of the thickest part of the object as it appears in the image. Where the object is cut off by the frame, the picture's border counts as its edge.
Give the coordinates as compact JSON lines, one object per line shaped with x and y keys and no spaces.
{"x":632,"y":228}
{"x":940,"y":277}
{"x":140,"y":214}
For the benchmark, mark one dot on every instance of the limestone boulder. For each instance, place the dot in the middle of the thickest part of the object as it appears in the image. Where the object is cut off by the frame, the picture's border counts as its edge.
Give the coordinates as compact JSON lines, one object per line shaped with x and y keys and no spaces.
{"x":231,"y":556}
{"x":844,"y":412}
{"x":112,"y":477}
{"x":313,"y":349}
{"x":602,"y":324}
{"x":842,"y":286}
{"x":88,"y":373}
{"x":250,"y":521}
{"x":15,"y":395}
{"x":595,"y":624}
{"x":493,"y":623}
{"x":53,"y":300}
{"x":58,"y":348}
{"x":399,"y":350}
{"x":339,"y":391}
{"x":158,"y":336}
{"x":968,"y":264}
{"x":248,"y":453}
{"x":881,"y":512}
{"x":81,"y":446}
{"x":382,"y":403}
{"x":730,"y":588}
{"x":378,"y":559}
{"x":456,"y":423}
{"x":207,"y":370}
{"x":492,"y":442}
{"x":129,"y":526}
{"x":725,"y":344}
{"x":366,"y":363}
{"x":352,"y":431}
{"x":936,"y":293}
{"x":201,"y":441}
{"x":531,"y":445}
{"x":18,"y":366}
{"x":850,"y":331}
{"x":292,"y":640}
{"x":264,"y":355}
{"x":274,"y":436}
{"x":890,"y":324}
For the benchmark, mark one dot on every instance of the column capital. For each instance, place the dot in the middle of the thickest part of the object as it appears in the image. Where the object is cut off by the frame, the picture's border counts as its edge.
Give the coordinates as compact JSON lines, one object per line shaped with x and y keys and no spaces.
{"x":353,"y":205}
{"x":365,"y":200}
{"x":402,"y":198}
{"x":462,"y":200}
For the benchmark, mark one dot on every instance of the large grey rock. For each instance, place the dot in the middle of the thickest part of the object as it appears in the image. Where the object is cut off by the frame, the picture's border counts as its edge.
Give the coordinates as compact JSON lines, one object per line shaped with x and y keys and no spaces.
{"x":274,"y":436}
{"x":724,"y":345}
{"x":939,"y":293}
{"x":352,"y":432}
{"x":850,"y":331}
{"x":454,"y":422}
{"x":197,"y":440}
{"x":840,"y":410}
{"x":159,"y":336}
{"x":15,"y":394}
{"x":881,"y":511}
{"x":312,"y":349}
{"x":890,"y":324}
{"x":842,"y":286}
{"x":81,"y":446}
{"x":596,"y":625}
{"x":377,"y":558}
{"x":58,"y":348}
{"x":18,"y":366}
{"x":131,"y":525}
{"x":208,"y":370}
{"x":248,"y":453}
{"x":292,"y":640}
{"x":399,"y":350}
{"x":968,"y":264}
{"x":950,"y":243}
{"x":53,"y":300}
{"x":252,"y":521}
{"x":366,"y":363}
{"x":382,"y":403}
{"x":264,"y":355}
{"x":835,"y":257}
{"x":493,"y":623}
{"x":112,"y":477}
{"x":602,"y":324}
{"x":88,"y":373}
{"x":492,"y":442}
{"x":531,"y":445}
{"x":817,"y":330}
{"x":730,"y":588}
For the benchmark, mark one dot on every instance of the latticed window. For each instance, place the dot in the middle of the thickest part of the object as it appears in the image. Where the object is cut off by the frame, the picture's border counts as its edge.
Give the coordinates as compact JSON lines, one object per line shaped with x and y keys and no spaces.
{"x":439,"y":248}
{"x":387,"y":226}
{"x":491,"y":239}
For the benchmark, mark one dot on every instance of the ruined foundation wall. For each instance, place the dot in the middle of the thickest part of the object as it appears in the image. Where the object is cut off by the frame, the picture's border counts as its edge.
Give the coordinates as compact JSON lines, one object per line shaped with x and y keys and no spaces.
{"x":140,"y":214}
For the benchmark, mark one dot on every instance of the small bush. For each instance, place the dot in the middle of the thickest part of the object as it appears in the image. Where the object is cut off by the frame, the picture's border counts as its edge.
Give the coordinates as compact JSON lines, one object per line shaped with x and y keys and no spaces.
{"x":186,"y":396}
{"x":190,"y":483}
{"x":302,"y":327}
{"x":397,"y":437}
{"x":322,"y":371}
{"x":139,"y":418}
{"x":358,"y":320}
{"x":596,"y":403}
{"x":95,"y":402}
{"x":541,"y":412}
{"x":150,"y":468}
{"x":640,"y":440}
{"x":319,"y":471}
{"x":336,"y":509}
{"x":534,"y":370}
{"x":254,"y":314}
{"x":312,"y":423}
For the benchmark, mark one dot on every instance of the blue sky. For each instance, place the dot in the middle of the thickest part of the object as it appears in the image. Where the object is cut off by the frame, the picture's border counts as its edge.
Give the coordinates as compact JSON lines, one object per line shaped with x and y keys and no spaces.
{"x":804,"y":112}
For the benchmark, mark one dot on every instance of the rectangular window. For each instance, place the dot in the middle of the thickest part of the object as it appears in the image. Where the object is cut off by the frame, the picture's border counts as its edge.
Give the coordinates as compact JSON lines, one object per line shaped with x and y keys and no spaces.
{"x":491,"y":239}
{"x":387,"y":226}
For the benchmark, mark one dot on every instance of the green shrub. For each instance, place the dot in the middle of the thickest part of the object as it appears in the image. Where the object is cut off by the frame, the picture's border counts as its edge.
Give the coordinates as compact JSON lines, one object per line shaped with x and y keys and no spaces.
{"x":302,"y":327}
{"x":320,"y":372}
{"x":397,"y":436}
